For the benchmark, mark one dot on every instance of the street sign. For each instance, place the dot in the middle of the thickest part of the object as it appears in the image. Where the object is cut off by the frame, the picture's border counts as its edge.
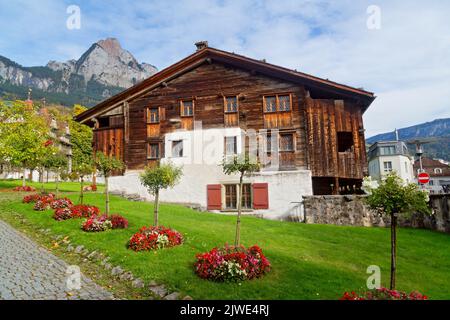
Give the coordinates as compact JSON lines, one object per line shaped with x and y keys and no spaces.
{"x":424,"y":178}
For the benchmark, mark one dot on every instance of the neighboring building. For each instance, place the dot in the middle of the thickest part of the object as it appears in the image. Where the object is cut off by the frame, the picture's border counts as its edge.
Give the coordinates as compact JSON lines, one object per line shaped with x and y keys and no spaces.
{"x":439,"y":174}
{"x":388,"y":156}
{"x":307,"y":132}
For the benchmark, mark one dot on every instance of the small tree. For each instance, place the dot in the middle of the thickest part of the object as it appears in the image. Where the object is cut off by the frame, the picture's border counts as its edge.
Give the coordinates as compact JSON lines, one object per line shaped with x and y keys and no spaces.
{"x":79,"y":172}
{"x":241,"y":165}
{"x":106,"y":165}
{"x":160,"y":177}
{"x":393,"y":197}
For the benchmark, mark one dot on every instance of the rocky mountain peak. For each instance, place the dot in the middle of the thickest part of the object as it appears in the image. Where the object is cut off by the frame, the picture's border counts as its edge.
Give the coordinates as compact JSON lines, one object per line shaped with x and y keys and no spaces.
{"x":111,"y":46}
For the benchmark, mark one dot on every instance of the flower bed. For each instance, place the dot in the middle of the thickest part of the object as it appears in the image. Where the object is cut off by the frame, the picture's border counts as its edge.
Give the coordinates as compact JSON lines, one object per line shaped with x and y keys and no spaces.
{"x":84,"y":211}
{"x":384,"y":294}
{"x":42,"y":204}
{"x":152,"y":238}
{"x":232,"y":264}
{"x":78,"y":211}
{"x":32,"y":198}
{"x":26,"y":189}
{"x":97,"y":223}
{"x":61,"y":203}
{"x":104,"y":222}
{"x":62,"y":214}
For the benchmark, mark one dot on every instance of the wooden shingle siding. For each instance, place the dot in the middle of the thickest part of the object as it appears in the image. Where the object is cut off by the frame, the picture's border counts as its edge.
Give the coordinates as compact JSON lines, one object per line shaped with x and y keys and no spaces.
{"x":325,"y":119}
{"x":206,"y":86}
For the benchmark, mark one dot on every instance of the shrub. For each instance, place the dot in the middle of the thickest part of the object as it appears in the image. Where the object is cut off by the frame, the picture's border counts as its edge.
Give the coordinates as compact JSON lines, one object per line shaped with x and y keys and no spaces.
{"x":26,"y":189}
{"x":32,"y":198}
{"x":232,"y":263}
{"x":384,"y":294}
{"x":118,"y":222}
{"x":97,"y":223}
{"x":62,"y":214}
{"x":61,"y":203}
{"x":151,"y":238}
{"x":84,"y":211}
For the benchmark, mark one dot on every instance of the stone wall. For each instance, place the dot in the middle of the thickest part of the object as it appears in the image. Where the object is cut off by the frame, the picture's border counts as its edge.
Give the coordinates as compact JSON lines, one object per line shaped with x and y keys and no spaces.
{"x":352,"y":211}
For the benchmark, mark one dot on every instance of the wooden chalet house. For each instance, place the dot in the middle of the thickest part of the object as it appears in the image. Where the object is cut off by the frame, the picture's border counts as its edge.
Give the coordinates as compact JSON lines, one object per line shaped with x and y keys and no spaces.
{"x":210,"y":105}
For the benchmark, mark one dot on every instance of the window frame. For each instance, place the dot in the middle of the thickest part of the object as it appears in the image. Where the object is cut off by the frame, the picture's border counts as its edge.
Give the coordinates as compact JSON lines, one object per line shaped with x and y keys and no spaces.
{"x":292,"y":134}
{"x":277,"y":103}
{"x":149,"y":110}
{"x":172,"y":148}
{"x":230,"y":197}
{"x":225,"y":104}
{"x":182,"y":108}
{"x":390,"y":169}
{"x":149,"y":146}
{"x":235,"y":152}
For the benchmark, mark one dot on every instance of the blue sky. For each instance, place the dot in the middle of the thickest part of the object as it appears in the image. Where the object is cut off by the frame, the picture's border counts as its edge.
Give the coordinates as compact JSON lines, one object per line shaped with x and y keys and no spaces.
{"x":406,"y":62}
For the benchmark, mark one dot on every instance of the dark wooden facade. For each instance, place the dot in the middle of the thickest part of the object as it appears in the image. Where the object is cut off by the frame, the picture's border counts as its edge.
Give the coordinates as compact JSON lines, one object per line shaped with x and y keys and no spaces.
{"x":324,"y":118}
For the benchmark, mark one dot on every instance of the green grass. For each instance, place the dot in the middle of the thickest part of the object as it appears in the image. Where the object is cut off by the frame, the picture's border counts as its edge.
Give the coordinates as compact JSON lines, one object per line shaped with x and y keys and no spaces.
{"x":308,"y":261}
{"x":49,"y":187}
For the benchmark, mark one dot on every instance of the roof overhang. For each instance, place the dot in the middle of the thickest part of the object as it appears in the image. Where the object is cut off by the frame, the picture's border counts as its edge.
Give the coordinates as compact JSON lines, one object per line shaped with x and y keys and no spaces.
{"x":362,"y":97}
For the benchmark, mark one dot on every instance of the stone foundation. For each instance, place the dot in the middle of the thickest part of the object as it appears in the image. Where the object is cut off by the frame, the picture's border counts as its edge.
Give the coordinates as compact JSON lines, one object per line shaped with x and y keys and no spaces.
{"x":352,"y":211}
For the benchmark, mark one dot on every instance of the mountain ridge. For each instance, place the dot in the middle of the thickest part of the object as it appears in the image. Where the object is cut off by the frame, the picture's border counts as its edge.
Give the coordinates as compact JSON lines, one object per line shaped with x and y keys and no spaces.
{"x":101,"y":71}
{"x":436,"y":132}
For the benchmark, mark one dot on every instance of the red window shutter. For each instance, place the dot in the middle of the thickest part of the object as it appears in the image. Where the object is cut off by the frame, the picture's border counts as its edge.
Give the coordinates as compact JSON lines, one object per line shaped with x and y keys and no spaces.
{"x":260,"y":196}
{"x":214,"y":197}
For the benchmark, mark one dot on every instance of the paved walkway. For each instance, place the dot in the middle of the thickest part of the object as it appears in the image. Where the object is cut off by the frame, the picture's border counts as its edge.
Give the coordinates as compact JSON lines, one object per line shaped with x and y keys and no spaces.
{"x":28,"y":271}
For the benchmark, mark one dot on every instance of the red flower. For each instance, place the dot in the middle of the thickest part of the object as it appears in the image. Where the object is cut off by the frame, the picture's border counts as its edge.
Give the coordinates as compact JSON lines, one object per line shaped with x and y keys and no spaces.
{"x":232,"y":263}
{"x":151,"y":238}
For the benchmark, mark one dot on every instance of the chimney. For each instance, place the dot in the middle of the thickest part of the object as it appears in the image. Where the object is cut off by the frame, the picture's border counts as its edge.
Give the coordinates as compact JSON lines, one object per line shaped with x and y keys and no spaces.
{"x":201,"y":45}
{"x":396,"y":135}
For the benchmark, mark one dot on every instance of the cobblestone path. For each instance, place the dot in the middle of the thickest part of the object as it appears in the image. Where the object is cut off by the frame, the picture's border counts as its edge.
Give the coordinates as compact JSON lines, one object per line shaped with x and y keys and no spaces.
{"x":28,"y":271}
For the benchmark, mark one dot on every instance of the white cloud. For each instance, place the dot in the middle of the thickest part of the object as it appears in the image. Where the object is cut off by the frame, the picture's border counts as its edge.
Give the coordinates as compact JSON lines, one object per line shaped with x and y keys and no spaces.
{"x":406,"y":63}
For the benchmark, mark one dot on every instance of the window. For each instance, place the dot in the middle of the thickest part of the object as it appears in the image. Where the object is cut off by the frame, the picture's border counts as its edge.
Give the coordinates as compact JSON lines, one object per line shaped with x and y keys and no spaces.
{"x":230,"y":196}
{"x":284,"y":103}
{"x":230,"y":145}
{"x":431,"y":183}
{"x":345,"y":141}
{"x":387,"y":166}
{"x":153,"y":150}
{"x":187,"y":108}
{"x":231,"y":104}
{"x":387,"y":150}
{"x":287,"y":142}
{"x":437,"y":170}
{"x":103,"y":122}
{"x":152,"y":115}
{"x":246,"y":196}
{"x":177,"y":149}
{"x":270,"y":104}
{"x":276,"y":103}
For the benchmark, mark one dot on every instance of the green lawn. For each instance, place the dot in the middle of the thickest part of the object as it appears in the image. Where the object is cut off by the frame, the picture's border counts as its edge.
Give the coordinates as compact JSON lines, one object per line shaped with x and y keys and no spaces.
{"x":309,"y":261}
{"x":50,"y":186}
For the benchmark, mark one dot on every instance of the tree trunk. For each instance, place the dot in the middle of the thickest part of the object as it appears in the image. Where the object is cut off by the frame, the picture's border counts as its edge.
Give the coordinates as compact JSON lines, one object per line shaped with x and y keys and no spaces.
{"x":24,"y":177}
{"x":81,"y":189}
{"x":393,"y":249}
{"x":237,"y":240}
{"x":106,"y":195}
{"x":41,"y":178}
{"x":56,"y":185}
{"x":156,"y":209}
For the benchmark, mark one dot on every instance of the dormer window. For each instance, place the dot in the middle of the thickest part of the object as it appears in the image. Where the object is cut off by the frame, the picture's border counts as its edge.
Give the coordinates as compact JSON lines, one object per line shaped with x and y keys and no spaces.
{"x":438,"y":170}
{"x":187,"y":108}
